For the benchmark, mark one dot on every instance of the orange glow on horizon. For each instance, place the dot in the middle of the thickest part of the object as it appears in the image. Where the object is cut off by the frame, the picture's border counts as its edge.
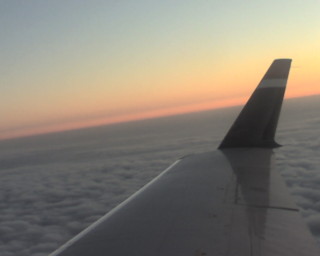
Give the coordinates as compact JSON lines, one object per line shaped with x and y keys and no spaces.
{"x":190,"y":108}
{"x":124,"y":118}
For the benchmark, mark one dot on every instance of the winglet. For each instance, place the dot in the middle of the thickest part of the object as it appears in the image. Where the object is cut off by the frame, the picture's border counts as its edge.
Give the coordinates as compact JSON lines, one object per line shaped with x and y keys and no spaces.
{"x":256,"y":124}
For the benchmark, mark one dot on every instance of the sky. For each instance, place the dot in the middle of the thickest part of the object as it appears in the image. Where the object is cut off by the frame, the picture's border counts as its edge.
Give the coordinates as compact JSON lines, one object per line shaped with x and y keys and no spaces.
{"x":75,"y":63}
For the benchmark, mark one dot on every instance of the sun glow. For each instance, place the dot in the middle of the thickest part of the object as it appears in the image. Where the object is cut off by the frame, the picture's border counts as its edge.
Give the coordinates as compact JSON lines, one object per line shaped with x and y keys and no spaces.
{"x":127,"y":61}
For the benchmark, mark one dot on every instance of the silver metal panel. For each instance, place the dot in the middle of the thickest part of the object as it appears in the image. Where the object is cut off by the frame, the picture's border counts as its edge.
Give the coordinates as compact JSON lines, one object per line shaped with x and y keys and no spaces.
{"x":217,"y":203}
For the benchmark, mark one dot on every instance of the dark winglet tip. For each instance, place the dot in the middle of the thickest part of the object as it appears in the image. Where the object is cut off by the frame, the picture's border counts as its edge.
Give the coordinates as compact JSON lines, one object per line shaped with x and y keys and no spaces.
{"x":279,"y":69}
{"x":283,"y":59}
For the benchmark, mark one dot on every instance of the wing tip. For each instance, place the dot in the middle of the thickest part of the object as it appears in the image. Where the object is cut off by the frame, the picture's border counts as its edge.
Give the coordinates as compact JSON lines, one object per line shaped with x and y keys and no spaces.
{"x":279,"y":69}
{"x":257,"y":122}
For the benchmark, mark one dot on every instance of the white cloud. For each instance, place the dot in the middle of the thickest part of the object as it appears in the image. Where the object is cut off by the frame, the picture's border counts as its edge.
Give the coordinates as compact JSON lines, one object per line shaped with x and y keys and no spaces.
{"x":54,"y":186}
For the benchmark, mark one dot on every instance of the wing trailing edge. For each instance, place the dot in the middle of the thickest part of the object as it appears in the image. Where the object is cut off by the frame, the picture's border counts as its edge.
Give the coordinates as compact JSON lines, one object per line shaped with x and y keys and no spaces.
{"x":256,"y":124}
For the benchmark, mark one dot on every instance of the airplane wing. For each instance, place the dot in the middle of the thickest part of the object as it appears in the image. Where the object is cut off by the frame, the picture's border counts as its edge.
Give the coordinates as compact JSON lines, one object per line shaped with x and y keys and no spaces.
{"x":230,"y":201}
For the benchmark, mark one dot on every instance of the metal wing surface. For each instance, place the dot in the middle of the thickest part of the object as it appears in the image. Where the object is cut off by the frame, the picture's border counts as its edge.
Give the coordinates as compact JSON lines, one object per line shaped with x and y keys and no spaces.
{"x":230,"y":201}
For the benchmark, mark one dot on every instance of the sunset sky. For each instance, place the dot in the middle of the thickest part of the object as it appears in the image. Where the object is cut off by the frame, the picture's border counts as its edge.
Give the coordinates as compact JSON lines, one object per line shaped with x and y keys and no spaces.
{"x":73,"y":63}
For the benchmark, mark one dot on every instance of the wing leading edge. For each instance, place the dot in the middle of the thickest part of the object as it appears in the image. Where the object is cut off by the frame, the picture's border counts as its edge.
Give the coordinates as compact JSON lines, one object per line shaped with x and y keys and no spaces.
{"x":226,"y":202}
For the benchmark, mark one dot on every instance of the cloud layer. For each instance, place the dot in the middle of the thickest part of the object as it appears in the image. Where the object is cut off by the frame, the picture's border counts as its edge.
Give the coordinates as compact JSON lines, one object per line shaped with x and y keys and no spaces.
{"x":53,"y":186}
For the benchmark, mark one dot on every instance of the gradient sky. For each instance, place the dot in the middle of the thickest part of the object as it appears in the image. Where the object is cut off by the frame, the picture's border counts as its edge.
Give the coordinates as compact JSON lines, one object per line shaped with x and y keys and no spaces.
{"x":72,"y":63}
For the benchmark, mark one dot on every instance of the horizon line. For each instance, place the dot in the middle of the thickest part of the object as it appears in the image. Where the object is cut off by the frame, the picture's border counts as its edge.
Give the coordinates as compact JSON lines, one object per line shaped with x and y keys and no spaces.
{"x":161,"y":113}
